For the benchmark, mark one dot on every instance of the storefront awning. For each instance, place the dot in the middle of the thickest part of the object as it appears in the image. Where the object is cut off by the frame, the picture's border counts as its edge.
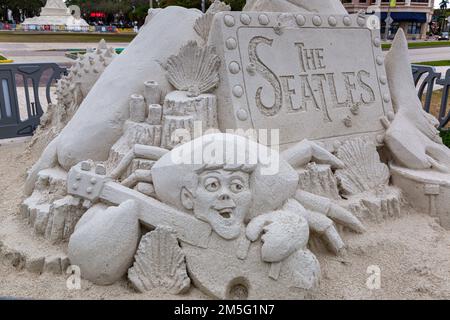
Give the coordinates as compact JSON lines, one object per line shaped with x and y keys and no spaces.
{"x":406,"y":16}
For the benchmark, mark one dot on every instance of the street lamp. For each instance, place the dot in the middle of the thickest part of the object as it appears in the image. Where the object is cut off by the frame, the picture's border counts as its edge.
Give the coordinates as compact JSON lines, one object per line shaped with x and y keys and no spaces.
{"x":443,"y":7}
{"x":389,"y":20}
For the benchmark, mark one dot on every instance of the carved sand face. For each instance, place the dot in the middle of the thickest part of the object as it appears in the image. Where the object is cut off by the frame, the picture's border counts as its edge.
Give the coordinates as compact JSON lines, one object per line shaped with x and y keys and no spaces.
{"x":222,"y":199}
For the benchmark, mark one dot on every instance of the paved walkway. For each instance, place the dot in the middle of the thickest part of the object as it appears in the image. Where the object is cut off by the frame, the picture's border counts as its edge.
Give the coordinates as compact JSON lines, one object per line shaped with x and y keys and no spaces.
{"x":429,"y":54}
{"x":45,"y":52}
{"x":55,"y":52}
{"x":42,"y":99}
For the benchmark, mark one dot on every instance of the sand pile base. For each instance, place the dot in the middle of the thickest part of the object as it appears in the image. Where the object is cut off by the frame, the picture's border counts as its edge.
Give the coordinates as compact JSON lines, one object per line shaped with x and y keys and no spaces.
{"x":411,"y":253}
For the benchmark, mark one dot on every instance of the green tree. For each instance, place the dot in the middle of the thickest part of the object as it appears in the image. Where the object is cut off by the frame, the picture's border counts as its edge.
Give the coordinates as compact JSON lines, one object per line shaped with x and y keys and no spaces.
{"x":28,"y":8}
{"x":132,"y":9}
{"x":236,"y":5}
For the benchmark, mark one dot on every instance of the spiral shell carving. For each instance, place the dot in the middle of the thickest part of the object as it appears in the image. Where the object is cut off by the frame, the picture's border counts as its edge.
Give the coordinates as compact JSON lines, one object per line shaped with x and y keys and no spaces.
{"x":363,"y":169}
{"x":195,"y":69}
{"x":159,"y":263}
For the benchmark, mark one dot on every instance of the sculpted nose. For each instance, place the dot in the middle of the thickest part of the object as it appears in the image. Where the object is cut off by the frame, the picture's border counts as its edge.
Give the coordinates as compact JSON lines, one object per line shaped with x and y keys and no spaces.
{"x":224,"y":197}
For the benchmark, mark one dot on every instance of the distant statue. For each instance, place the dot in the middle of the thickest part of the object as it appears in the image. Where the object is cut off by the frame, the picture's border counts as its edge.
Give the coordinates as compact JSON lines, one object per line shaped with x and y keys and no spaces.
{"x":56,"y":13}
{"x":57,"y":4}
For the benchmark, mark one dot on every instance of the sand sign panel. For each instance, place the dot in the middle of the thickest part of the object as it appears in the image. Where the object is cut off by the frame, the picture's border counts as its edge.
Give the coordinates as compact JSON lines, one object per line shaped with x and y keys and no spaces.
{"x":298,"y":73}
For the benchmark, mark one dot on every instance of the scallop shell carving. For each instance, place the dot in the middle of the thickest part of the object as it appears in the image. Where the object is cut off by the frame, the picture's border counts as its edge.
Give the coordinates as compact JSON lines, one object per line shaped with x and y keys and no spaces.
{"x":203,"y":24}
{"x":363,"y":169}
{"x":159,"y":263}
{"x":218,"y":6}
{"x":194,"y":69}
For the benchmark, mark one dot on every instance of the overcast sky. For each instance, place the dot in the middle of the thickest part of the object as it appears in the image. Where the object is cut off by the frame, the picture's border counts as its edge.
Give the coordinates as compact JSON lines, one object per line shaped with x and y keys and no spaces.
{"x":436,"y":3}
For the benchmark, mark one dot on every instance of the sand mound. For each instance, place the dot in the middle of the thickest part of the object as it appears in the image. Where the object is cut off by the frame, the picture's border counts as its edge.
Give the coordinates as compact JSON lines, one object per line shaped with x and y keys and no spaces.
{"x":411,"y":253}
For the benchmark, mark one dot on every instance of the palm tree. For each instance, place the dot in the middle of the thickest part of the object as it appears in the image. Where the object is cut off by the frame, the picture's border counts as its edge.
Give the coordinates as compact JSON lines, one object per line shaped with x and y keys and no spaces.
{"x":443,"y":7}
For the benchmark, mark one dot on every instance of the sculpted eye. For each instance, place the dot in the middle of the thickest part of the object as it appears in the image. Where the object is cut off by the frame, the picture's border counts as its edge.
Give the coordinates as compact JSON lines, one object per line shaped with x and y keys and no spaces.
{"x":212,"y":184}
{"x":236,"y":186}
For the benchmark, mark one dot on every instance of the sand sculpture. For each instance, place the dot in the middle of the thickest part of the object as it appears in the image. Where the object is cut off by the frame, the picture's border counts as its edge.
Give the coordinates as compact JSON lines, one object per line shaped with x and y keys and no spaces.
{"x":157,"y":189}
{"x":71,"y":91}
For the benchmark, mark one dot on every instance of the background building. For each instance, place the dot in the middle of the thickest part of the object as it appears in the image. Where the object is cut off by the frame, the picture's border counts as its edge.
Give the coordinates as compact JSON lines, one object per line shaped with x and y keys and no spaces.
{"x":412,"y":16}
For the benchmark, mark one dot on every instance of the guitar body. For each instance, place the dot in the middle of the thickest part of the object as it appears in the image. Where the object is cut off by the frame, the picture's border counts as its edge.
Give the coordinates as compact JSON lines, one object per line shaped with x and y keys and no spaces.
{"x":218,"y":271}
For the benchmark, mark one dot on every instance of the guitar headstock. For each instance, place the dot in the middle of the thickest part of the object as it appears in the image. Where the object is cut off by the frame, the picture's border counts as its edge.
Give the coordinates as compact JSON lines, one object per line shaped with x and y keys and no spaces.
{"x":86,"y":181}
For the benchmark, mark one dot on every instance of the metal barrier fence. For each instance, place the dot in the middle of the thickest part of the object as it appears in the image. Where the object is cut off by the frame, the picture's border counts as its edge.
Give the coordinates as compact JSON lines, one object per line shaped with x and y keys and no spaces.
{"x":425,"y":79}
{"x":16,"y":121}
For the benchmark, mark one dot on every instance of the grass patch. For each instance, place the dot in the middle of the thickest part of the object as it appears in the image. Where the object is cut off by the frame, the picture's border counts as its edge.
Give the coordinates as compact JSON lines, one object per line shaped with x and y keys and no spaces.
{"x":438,"y":63}
{"x":16,"y":36}
{"x":74,"y":53}
{"x":435,"y":104}
{"x":445,"y":134}
{"x":3,"y":59}
{"x":420,"y":44}
{"x":434,"y":110}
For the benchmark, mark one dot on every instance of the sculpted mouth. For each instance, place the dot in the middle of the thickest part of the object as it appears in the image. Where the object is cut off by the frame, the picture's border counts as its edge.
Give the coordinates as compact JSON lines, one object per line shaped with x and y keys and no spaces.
{"x":225,"y":213}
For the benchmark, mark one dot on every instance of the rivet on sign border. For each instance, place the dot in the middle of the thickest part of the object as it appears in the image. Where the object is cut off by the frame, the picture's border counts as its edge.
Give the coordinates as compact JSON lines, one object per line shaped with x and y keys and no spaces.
{"x":361,"y":21}
{"x":234,"y":67}
{"x":263,"y":19}
{"x":376,"y":42}
{"x":317,"y":21}
{"x":231,"y":43}
{"x":347,"y":21}
{"x":238,"y":91}
{"x":301,"y":20}
{"x":228,"y":20}
{"x":245,"y":19}
{"x":380,"y":60}
{"x":332,"y":21}
{"x":242,"y":114}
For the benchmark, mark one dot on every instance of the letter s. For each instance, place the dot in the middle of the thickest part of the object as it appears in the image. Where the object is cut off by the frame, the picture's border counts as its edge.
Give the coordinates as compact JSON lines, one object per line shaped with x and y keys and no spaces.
{"x":267,"y":74}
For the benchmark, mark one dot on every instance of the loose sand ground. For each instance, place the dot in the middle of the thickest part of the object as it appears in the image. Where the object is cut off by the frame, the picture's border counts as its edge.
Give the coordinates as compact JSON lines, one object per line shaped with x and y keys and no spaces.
{"x":412,"y":252}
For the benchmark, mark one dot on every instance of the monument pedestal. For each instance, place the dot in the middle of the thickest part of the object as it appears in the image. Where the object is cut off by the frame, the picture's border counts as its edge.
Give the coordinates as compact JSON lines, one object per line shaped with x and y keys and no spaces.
{"x":427,"y":191}
{"x":56,"y":13}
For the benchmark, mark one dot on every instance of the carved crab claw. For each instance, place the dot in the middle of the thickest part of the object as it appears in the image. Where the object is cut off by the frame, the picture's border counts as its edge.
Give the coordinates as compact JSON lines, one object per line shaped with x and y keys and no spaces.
{"x":282,"y":233}
{"x":305,"y":151}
